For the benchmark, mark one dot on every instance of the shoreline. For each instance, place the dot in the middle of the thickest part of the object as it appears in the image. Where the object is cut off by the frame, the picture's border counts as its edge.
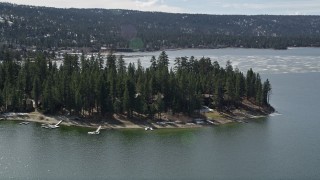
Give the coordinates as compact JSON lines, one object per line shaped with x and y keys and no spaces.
{"x":40,"y":118}
{"x":208,"y":48}
{"x":209,"y":119}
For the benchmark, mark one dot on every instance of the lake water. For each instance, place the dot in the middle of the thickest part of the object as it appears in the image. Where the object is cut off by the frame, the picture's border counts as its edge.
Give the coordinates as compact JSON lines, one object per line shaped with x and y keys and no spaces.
{"x":282,"y":146}
{"x":293,"y":60}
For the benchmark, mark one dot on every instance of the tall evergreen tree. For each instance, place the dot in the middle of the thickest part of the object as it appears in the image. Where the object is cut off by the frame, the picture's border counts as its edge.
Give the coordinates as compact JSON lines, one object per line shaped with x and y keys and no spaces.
{"x":36,"y":91}
{"x":266,"y":92}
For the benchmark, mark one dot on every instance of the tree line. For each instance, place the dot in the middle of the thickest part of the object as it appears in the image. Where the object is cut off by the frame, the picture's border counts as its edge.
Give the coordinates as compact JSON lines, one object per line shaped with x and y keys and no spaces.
{"x":60,"y":28}
{"x":89,"y":86}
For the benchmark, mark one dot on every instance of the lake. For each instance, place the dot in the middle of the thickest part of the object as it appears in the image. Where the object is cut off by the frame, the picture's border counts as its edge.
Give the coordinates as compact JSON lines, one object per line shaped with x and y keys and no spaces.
{"x":284,"y":146}
{"x":293,"y":60}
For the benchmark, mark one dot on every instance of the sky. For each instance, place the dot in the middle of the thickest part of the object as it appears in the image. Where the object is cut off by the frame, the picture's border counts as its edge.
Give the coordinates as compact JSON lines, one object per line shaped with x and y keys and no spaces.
{"x":247,"y":7}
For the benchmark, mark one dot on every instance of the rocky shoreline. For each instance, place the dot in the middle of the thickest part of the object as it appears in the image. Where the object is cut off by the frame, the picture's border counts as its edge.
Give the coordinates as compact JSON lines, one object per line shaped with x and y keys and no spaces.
{"x":212,"y":118}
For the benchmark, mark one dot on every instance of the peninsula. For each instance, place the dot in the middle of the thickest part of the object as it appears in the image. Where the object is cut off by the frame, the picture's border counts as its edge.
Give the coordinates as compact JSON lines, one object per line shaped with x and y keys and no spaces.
{"x":91,"y":92}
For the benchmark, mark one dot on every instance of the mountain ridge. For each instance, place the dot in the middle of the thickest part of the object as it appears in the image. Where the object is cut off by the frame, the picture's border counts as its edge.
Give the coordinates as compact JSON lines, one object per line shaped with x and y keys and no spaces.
{"x":48,"y":27}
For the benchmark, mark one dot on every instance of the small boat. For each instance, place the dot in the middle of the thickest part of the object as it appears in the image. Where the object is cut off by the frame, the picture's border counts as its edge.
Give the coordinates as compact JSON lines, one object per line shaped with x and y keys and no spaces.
{"x":95,"y":132}
{"x":51,"y":126}
{"x":210,"y":122}
{"x":24,"y":123}
{"x":148,"y":128}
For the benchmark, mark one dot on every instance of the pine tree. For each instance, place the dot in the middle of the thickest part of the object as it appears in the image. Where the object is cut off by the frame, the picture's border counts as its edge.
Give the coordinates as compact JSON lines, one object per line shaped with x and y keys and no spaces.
{"x":159,"y":104}
{"x":48,"y":99}
{"x":36,"y":91}
{"x":230,"y":90}
{"x":238,"y":88}
{"x":163,"y":60}
{"x":154,"y":64}
{"x":112,"y":77}
{"x":250,"y":83}
{"x":126,"y":100}
{"x":258,"y":90}
{"x":219,"y":100}
{"x":266,"y":92}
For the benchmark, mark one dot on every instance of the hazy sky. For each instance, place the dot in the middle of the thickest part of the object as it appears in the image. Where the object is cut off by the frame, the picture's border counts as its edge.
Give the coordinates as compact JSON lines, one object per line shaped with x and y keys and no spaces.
{"x":284,"y":7}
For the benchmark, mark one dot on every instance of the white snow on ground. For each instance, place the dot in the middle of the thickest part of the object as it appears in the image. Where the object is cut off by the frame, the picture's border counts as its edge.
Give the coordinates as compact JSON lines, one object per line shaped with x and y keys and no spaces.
{"x":9,"y":114}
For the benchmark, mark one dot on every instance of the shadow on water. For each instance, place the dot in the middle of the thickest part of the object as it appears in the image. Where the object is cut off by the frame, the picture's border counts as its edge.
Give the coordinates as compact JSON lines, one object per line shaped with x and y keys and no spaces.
{"x":79,"y":130}
{"x":159,"y":133}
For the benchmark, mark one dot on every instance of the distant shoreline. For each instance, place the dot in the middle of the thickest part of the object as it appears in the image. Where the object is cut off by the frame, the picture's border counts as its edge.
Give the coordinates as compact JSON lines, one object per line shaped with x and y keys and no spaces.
{"x":178,"y":49}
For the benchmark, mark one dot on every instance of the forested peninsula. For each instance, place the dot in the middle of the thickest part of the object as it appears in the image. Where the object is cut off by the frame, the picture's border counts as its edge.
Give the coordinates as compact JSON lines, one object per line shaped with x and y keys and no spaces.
{"x":90,"y":90}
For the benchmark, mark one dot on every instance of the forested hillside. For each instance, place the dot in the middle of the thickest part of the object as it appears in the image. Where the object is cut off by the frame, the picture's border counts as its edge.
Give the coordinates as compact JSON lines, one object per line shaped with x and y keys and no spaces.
{"x":88,"y":86}
{"x":95,"y":28}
